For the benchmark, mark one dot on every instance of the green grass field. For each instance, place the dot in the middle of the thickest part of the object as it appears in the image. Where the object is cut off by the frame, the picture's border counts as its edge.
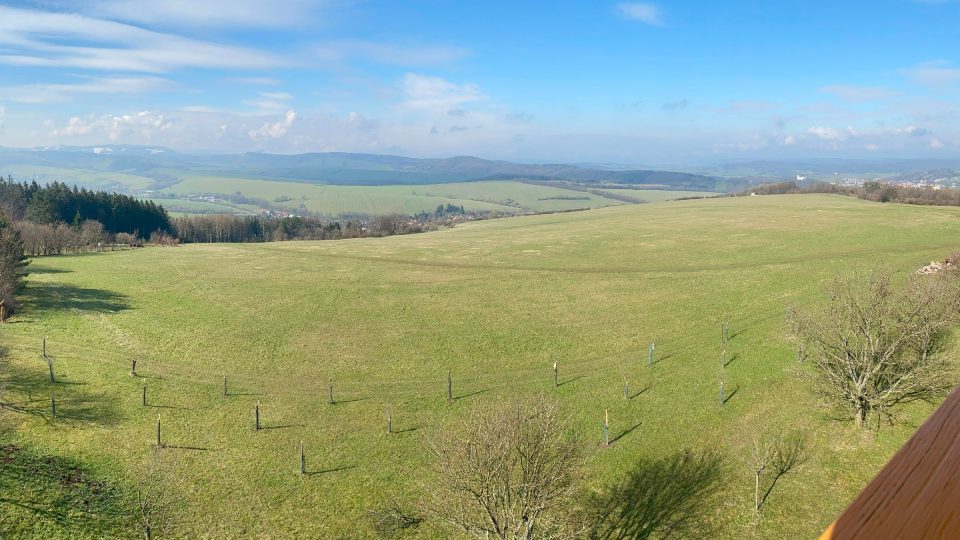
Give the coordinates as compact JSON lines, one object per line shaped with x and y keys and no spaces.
{"x":657,"y":195}
{"x":502,"y":196}
{"x":496,"y":302}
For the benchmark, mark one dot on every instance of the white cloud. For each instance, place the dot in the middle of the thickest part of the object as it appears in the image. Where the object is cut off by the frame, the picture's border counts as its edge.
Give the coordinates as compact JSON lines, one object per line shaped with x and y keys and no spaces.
{"x":642,"y":12}
{"x":141,"y":126}
{"x":935,"y":144}
{"x":789,"y":140}
{"x":871,"y":147}
{"x":934,"y":73}
{"x":256,"y":81}
{"x":390,"y":53}
{"x":831,"y":134}
{"x":53,"y":93}
{"x":270,"y":102}
{"x":855,"y":93}
{"x":36,"y":38}
{"x":206,"y":13}
{"x":199,"y":109}
{"x":75,"y":126}
{"x":274,"y":130}
{"x":436,"y":94}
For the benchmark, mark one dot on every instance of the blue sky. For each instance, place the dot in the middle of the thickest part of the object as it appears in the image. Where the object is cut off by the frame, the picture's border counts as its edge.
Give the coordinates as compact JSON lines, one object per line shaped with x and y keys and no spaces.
{"x":669,"y":82}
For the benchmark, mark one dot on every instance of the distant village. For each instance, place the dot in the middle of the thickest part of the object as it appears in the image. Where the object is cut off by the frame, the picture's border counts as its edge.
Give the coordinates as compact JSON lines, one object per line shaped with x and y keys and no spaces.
{"x":925,"y":180}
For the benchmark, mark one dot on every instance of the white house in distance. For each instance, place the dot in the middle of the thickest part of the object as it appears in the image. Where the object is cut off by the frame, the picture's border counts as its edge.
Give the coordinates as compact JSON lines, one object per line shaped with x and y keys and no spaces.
{"x":801,"y":178}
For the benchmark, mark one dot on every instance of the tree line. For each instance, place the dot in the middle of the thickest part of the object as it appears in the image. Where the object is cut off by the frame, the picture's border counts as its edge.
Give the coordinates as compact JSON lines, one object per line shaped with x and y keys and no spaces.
{"x":12,"y":268}
{"x":871,"y":191}
{"x":57,"y":202}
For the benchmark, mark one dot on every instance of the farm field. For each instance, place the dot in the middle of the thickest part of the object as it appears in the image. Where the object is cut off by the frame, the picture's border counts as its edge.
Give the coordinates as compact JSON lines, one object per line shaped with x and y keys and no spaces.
{"x":494,"y":302}
{"x":658,"y":195}
{"x":503,"y":196}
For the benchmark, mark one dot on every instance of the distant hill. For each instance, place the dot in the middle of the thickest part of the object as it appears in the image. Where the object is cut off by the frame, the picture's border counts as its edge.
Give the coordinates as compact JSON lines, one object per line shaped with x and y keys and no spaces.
{"x":162,"y":165}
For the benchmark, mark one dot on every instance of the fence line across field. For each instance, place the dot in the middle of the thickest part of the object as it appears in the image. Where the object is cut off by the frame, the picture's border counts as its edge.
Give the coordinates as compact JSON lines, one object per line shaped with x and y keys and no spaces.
{"x":391,"y":389}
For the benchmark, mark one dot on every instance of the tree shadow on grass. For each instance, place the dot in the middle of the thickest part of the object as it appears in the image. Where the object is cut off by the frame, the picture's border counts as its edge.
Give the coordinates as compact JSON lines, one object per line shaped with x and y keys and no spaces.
{"x":666,"y":497}
{"x":39,"y":269}
{"x":56,"y":495}
{"x":40,"y":297}
{"x":29,"y":391}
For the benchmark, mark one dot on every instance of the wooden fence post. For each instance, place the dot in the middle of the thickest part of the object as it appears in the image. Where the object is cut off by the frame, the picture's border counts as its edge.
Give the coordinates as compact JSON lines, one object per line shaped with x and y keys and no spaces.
{"x":555,"y":375}
{"x":605,"y":425}
{"x":449,"y":387}
{"x":330,"y":393}
{"x":53,"y":405}
{"x":159,"y":444}
{"x":133,"y":367}
{"x":144,"y":397}
{"x":303,"y":460}
{"x":650,"y":354}
{"x":50,"y":366}
{"x":256,"y":418}
{"x":224,"y":386}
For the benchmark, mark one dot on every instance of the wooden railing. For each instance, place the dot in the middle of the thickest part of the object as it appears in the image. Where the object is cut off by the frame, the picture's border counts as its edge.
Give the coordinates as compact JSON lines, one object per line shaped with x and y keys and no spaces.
{"x":917,"y":494}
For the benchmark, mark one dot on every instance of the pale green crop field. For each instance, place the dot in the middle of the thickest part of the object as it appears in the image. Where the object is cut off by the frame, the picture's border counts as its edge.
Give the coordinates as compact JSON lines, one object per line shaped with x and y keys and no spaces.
{"x":495,"y":302}
{"x":502,"y":196}
{"x":194,"y":206}
{"x":659,"y":195}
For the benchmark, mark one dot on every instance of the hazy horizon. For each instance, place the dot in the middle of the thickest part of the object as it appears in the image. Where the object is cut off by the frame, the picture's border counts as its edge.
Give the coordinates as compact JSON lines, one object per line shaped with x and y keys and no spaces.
{"x":656,"y":84}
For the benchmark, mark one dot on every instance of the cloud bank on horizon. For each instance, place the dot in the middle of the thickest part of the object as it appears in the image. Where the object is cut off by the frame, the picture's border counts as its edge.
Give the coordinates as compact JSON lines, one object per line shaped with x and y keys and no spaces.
{"x":624,"y":82}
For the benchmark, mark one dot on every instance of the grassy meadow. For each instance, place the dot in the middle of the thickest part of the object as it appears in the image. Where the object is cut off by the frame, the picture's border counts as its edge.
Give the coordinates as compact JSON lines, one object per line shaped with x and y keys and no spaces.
{"x":496,"y":303}
{"x":503,"y":196}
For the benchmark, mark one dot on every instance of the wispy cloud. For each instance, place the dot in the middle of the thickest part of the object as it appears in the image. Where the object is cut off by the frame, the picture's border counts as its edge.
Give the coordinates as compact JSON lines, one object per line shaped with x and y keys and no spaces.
{"x":256,"y":81}
{"x":831,"y":134}
{"x":934,"y":73}
{"x":642,"y":12}
{"x":206,"y":13}
{"x":270,"y":102}
{"x":43,"y":93}
{"x":436,"y":94}
{"x":409,"y":55}
{"x":857,"y":94}
{"x":36,"y":38}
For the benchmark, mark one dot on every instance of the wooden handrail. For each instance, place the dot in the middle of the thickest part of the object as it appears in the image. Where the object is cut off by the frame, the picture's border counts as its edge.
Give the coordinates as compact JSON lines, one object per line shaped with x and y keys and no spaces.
{"x":917,"y":494}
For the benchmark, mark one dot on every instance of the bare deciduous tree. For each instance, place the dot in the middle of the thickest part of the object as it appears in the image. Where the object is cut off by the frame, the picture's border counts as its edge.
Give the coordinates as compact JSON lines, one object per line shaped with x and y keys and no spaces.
{"x":156,"y":501}
{"x":506,"y":472}
{"x":876,"y":345}
{"x":774,"y":455}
